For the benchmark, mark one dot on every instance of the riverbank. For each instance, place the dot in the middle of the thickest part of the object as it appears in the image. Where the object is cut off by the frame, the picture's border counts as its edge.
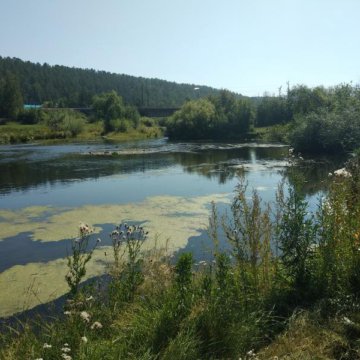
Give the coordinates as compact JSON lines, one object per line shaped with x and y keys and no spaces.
{"x":13,"y":133}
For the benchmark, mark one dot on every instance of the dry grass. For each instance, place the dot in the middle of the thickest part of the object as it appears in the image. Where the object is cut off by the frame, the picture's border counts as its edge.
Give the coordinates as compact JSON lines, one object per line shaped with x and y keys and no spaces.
{"x":308,"y":338}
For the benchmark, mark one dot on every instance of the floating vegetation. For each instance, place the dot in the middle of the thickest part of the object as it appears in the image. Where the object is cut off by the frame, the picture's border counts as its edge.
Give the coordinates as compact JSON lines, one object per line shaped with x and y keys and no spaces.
{"x":167,"y":217}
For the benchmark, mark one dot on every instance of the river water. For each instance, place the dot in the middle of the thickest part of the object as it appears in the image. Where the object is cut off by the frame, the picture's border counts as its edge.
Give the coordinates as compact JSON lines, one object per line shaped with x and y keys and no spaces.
{"x":47,"y":190}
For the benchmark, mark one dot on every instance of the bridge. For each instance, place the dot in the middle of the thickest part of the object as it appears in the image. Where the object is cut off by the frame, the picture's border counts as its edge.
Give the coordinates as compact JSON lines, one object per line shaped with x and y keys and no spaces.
{"x":156,"y":112}
{"x":143,"y":111}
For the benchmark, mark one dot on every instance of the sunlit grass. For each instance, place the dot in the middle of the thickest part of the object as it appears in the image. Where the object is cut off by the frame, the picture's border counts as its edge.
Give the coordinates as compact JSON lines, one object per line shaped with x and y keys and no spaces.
{"x":13,"y":132}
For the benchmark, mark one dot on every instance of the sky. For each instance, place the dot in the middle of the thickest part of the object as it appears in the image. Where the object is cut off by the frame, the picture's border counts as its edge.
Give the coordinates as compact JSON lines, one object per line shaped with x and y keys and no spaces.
{"x":247,"y":46}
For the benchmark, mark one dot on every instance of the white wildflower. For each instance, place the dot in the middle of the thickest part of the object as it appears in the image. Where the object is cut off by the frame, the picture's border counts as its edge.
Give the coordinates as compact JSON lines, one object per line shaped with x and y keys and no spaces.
{"x":65,"y":349}
{"x":96,"y":325}
{"x":252,"y":354}
{"x":342,"y":172}
{"x":347,"y":321}
{"x":85,"y":316}
{"x":67,"y":312}
{"x":47,"y":346}
{"x":84,"y":339}
{"x":66,"y":357}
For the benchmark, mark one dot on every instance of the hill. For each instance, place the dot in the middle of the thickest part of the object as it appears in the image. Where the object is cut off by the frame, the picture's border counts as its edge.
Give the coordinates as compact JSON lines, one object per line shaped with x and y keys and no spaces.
{"x":71,"y":87}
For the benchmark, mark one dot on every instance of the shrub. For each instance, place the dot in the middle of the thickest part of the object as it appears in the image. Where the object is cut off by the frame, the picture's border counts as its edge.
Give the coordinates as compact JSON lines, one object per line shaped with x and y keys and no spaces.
{"x":70,"y":123}
{"x":120,"y":125}
{"x":326,"y":131}
{"x":31,"y":116}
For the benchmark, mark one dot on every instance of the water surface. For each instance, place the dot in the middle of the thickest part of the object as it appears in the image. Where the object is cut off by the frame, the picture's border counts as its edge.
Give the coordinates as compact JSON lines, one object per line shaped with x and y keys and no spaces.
{"x":45,"y":191}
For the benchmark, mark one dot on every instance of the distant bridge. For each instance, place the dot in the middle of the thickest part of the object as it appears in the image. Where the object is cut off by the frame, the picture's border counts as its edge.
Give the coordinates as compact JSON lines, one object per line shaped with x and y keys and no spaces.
{"x":156,"y":112}
{"x":144,"y":111}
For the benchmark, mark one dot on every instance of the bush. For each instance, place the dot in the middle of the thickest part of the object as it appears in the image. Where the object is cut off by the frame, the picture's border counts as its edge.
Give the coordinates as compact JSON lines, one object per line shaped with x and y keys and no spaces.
{"x":148,"y":122}
{"x":120,"y":125}
{"x":31,"y":116}
{"x":326,"y":131}
{"x":218,"y":117}
{"x":111,"y":109}
{"x":70,"y":123}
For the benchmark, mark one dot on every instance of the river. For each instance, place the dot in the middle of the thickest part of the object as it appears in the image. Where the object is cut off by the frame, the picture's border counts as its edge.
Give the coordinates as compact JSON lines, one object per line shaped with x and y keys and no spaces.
{"x":47,"y":190}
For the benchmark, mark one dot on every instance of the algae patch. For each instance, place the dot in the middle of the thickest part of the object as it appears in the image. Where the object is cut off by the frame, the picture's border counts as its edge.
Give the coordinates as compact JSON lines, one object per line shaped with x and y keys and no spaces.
{"x":24,"y":286}
{"x":172,"y":218}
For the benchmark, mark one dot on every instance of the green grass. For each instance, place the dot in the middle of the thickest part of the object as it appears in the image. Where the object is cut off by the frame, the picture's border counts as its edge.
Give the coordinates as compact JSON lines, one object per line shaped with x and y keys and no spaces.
{"x":13,"y":132}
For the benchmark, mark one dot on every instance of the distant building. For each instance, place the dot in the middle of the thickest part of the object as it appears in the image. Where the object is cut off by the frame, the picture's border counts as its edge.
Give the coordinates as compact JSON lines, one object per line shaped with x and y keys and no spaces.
{"x":30,"y":107}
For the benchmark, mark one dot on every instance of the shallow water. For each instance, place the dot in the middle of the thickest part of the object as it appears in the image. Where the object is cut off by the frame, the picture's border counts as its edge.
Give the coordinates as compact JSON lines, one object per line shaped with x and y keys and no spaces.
{"x":45,"y":191}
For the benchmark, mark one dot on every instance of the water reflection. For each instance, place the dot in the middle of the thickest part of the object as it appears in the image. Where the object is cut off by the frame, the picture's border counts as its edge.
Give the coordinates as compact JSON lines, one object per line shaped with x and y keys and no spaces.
{"x":27,"y":167}
{"x":25,"y":250}
{"x":313,"y":174}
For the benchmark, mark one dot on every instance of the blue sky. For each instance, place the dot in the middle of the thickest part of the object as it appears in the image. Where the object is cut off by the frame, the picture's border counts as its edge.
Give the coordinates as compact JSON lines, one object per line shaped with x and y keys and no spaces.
{"x":248,"y":46}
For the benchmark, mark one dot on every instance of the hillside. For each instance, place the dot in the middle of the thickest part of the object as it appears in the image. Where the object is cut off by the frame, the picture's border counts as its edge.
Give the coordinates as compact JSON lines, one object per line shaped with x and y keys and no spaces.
{"x":68,"y":86}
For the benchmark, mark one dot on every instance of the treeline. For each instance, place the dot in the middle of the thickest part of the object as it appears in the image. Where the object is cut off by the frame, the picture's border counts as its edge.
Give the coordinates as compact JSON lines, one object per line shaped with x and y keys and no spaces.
{"x":216,"y":117}
{"x":317,"y":119}
{"x":62,"y":86}
{"x":321,"y":120}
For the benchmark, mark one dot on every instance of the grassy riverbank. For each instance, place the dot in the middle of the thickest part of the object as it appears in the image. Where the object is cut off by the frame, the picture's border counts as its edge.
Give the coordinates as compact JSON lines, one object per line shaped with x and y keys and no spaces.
{"x":13,"y":132}
{"x":286,"y":288}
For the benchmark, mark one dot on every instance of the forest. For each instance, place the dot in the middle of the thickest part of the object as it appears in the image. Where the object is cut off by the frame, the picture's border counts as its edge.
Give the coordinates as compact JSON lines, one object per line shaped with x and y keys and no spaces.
{"x":62,"y":86}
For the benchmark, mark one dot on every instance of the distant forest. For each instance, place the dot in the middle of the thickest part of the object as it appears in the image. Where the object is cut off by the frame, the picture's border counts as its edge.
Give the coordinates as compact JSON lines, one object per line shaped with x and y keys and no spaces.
{"x":64,"y":86}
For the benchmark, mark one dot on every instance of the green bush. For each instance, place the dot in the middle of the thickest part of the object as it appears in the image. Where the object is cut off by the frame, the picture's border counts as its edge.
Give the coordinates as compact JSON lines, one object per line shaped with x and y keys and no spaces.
{"x":111,"y":108}
{"x":326,"y":132}
{"x":217,"y":117}
{"x":120,"y":125}
{"x":31,"y":116}
{"x":68,"y":122}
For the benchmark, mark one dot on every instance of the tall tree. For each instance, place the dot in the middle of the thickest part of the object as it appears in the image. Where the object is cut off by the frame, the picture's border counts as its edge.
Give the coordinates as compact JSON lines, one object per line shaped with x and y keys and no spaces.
{"x":110,"y":106}
{"x":11,"y":101}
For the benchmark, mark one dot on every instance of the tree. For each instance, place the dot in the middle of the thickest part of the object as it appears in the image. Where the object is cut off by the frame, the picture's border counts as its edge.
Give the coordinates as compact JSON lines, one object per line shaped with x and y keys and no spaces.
{"x":242,"y":117}
{"x":271,"y":111}
{"x":195,"y":120}
{"x":11,"y":101}
{"x":303,"y":100}
{"x":217,"y":117}
{"x":110,"y":107}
